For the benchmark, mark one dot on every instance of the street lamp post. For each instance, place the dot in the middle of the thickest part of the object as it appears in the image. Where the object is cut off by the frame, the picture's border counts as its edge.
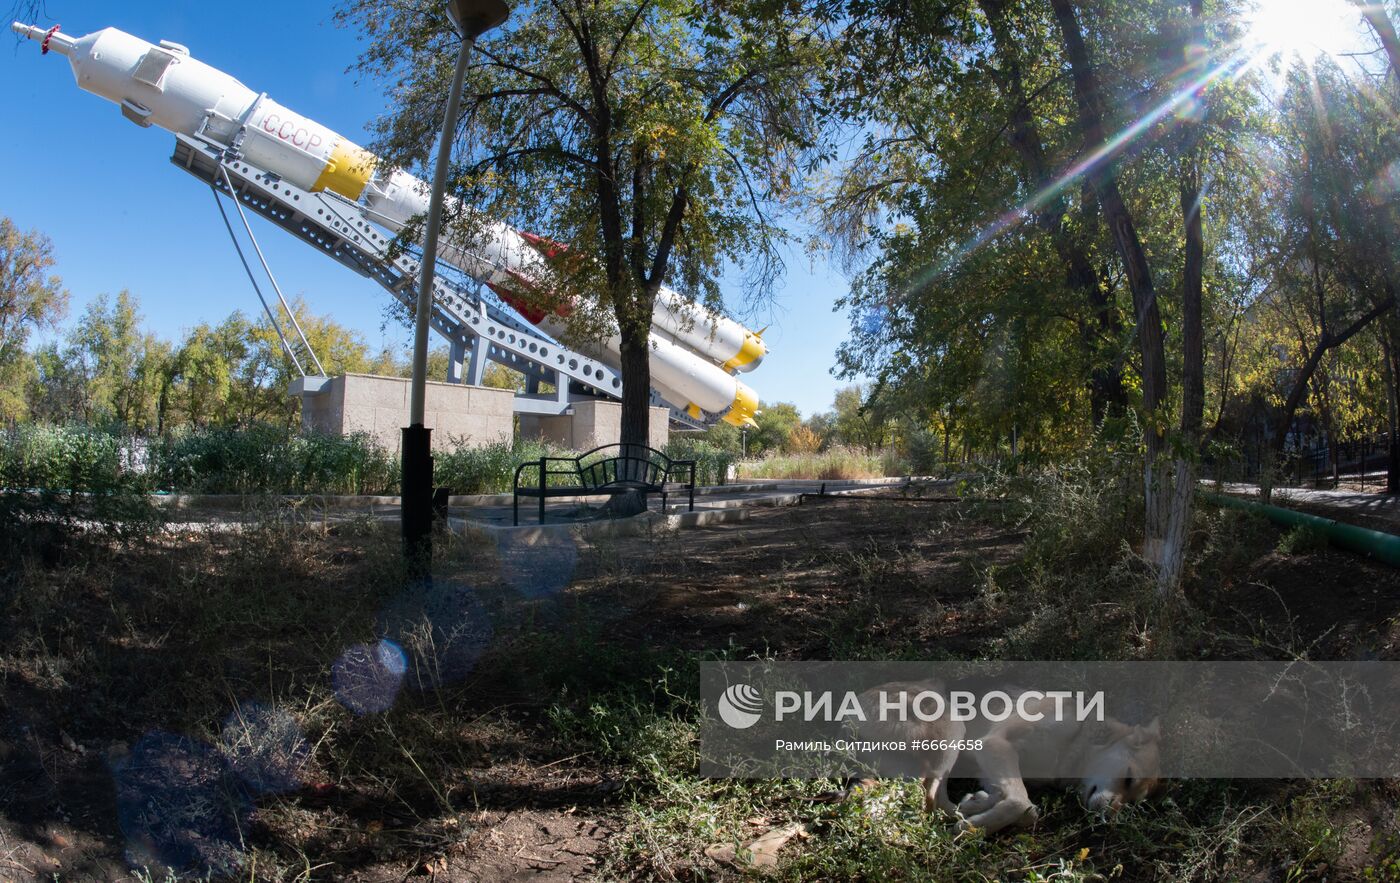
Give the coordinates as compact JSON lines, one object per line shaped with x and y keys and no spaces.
{"x":472,"y":18}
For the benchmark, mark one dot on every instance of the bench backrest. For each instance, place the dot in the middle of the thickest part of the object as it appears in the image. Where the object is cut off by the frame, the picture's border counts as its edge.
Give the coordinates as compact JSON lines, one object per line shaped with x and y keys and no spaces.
{"x":623,"y":465}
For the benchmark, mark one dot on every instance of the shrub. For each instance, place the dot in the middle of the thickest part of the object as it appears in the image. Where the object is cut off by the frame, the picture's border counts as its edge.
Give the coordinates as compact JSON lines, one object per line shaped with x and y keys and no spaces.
{"x":489,"y":469}
{"x":264,"y":459}
{"x":804,"y":440}
{"x":922,"y":447}
{"x":712,"y":462}
{"x":74,"y":475}
{"x":1303,"y":540}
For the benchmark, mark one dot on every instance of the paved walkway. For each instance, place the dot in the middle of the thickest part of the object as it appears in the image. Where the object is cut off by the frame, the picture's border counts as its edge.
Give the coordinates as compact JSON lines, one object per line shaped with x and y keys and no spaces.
{"x":712,"y":504}
{"x":1341,"y":502}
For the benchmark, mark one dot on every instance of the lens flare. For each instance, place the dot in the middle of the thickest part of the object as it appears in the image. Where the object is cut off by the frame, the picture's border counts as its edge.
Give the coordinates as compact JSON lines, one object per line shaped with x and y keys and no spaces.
{"x":440,"y":629}
{"x":367,"y":677}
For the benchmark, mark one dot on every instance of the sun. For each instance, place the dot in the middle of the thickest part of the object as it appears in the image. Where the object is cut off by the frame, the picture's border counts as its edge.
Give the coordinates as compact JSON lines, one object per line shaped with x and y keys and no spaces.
{"x":1304,"y":30}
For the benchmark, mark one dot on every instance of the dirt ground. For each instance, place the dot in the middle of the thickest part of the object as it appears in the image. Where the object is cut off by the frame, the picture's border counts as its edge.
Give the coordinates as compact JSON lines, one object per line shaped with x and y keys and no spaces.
{"x":119,"y":685}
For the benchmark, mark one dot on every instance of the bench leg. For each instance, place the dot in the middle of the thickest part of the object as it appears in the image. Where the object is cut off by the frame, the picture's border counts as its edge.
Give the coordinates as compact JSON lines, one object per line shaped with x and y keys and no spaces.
{"x":515,"y":505}
{"x":541,"y":508}
{"x":663,"y":502}
{"x":692,"y":498}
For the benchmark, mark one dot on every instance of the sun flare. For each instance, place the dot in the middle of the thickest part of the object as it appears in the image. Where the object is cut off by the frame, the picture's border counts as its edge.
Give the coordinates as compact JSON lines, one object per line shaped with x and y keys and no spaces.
{"x":1304,"y":30}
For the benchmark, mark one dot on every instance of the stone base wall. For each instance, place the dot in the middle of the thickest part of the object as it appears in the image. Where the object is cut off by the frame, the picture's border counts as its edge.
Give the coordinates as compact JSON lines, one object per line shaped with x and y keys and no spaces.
{"x":459,"y":415}
{"x":593,"y":424}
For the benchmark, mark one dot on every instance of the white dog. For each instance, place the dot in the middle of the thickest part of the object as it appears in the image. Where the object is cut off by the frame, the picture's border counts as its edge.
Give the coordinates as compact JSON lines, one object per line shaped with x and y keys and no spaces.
{"x":1122,"y":761}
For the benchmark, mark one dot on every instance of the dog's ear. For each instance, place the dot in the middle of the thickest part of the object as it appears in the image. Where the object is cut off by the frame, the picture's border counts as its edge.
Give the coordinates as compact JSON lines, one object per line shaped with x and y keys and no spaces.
{"x":1113,"y":730}
{"x":1150,"y":733}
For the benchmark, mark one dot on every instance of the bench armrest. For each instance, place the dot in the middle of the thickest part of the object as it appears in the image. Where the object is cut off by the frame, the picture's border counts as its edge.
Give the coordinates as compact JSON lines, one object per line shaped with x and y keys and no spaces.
{"x":689,"y":465}
{"x":542,"y":465}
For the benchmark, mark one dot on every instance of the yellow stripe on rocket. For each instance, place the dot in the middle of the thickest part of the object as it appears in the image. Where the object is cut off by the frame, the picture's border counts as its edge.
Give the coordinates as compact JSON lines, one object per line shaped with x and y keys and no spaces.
{"x":348,"y":170}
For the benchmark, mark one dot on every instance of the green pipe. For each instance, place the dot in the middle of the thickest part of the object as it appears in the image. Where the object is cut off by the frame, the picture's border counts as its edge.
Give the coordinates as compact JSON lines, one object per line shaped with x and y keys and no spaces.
{"x":1381,"y":546}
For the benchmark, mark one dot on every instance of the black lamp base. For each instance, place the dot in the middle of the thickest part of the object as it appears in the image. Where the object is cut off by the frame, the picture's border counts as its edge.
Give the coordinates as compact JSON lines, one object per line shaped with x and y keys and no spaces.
{"x":417,"y":500}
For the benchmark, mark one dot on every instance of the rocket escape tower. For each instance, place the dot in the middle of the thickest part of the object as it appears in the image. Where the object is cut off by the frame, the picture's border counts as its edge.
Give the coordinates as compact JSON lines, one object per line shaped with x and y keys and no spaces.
{"x":337,"y":198}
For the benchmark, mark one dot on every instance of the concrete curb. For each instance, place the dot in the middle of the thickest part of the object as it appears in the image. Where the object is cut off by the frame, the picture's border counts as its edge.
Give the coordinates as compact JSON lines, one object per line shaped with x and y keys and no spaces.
{"x":725,"y":512}
{"x":372,"y":503}
{"x":637,"y":525}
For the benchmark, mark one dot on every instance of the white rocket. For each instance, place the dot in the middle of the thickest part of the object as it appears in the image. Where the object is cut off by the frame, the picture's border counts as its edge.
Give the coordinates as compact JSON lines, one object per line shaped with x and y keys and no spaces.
{"x":693,"y":350}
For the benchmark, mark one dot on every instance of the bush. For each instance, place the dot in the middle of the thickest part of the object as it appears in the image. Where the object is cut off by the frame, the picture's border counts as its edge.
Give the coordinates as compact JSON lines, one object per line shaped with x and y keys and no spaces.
{"x":72,"y":474}
{"x":804,"y":440}
{"x":489,"y":469}
{"x":269,"y":460}
{"x":712,"y":462}
{"x":1303,"y":540}
{"x":65,"y":458}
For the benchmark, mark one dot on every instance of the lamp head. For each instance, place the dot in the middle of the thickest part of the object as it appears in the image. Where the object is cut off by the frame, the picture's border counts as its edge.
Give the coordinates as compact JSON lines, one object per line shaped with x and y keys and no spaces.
{"x":473,"y":18}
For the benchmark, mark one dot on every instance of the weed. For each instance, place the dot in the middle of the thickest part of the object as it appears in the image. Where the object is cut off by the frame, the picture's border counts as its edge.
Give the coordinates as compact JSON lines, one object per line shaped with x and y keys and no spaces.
{"x":1304,"y":539}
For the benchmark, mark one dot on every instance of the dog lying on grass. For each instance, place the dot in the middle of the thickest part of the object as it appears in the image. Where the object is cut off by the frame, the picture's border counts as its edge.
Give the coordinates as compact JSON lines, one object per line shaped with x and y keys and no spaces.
{"x":1115,"y":763}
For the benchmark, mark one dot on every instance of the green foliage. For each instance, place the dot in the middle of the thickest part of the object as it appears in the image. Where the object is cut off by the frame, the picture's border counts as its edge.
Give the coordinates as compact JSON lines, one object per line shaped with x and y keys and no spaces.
{"x":107,"y":371}
{"x":776,"y":424}
{"x":656,"y":140}
{"x":1304,"y":539}
{"x":712,"y":462}
{"x":489,"y":469}
{"x":66,"y":459}
{"x":266,"y":459}
{"x":31,"y":298}
{"x":922,"y":448}
{"x":72,"y":475}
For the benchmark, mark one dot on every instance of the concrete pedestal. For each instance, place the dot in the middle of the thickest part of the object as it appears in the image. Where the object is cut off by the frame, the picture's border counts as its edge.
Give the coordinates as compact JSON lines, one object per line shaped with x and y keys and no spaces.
{"x":459,"y":415}
{"x":592,"y":424}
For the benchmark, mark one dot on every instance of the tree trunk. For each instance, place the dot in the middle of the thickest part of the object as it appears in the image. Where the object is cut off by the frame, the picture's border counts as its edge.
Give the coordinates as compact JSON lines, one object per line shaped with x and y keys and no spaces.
{"x":1379,"y":20}
{"x":1157,"y":473}
{"x":1193,"y":392}
{"x":635,"y":352}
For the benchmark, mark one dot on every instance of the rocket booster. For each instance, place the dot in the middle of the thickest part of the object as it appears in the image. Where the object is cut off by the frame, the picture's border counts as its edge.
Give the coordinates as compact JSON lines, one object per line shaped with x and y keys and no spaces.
{"x":693,"y":350}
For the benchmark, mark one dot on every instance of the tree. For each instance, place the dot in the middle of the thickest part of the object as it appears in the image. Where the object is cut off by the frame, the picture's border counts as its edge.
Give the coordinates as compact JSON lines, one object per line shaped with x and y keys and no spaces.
{"x":859,"y":422}
{"x":108,"y":372}
{"x":31,"y":298}
{"x":656,"y":139}
{"x":963,"y":113}
{"x":776,"y":424}
{"x":1033,"y":188}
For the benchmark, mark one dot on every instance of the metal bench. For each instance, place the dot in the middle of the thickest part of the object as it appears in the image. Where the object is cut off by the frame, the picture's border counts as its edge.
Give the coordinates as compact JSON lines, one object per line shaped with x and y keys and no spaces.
{"x":609,"y":470}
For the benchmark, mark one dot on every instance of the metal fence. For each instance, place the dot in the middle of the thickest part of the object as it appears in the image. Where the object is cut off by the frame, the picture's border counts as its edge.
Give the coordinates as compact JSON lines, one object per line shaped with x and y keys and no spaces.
{"x":1360,"y":464}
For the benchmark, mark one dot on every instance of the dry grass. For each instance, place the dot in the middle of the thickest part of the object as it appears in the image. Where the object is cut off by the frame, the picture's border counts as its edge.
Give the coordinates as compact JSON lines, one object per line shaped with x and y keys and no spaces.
{"x":831,"y":464}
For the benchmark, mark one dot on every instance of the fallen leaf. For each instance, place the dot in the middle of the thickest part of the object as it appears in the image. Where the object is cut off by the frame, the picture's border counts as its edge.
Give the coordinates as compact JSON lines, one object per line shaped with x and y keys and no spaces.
{"x":763,"y":852}
{"x":724,"y":853}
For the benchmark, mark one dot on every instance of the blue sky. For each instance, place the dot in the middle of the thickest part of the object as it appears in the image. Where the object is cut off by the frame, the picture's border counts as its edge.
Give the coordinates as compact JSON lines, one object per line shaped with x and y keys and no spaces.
{"x":121,"y":216}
